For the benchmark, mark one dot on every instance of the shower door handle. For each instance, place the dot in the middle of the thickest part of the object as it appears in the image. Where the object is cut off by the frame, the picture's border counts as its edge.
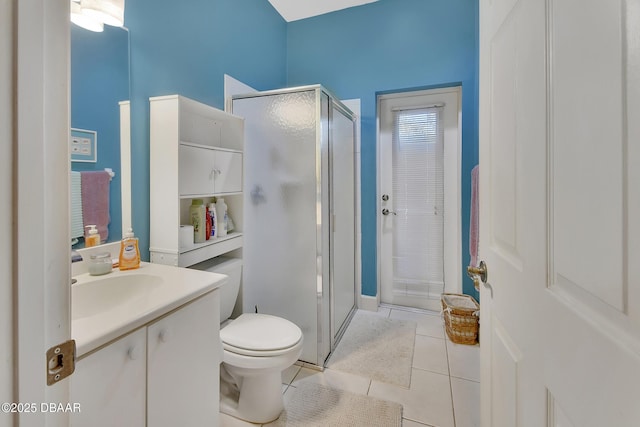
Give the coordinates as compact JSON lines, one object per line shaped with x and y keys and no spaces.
{"x":386,"y":211}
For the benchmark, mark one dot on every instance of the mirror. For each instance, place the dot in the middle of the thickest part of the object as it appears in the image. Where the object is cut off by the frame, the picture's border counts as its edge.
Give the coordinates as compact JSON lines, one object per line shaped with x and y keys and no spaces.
{"x":99,"y":82}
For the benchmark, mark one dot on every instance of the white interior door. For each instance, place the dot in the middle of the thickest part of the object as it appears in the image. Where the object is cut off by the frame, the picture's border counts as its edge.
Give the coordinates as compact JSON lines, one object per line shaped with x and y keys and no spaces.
{"x":419,"y":197}
{"x":559,"y":202}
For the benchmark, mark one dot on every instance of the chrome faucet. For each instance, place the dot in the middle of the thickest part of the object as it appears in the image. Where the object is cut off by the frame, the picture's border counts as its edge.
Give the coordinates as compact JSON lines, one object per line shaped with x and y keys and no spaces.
{"x":75,"y":256}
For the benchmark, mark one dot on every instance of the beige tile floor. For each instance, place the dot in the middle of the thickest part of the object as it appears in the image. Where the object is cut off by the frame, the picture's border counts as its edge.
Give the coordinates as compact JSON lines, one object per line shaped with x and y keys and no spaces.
{"x":445,"y":379}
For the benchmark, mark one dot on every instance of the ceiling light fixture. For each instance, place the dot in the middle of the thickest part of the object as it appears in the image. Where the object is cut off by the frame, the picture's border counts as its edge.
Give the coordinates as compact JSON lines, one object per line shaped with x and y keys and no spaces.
{"x":93,"y":14}
{"x":84,"y":21}
{"x":111,"y":12}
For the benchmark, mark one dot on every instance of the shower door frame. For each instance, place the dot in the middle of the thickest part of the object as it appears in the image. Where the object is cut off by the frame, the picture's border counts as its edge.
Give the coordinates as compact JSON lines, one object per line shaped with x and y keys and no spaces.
{"x":338,"y":330}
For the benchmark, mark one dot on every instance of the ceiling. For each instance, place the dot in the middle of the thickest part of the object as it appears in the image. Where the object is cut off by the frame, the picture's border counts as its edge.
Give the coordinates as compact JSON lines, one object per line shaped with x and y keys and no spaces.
{"x":292,"y":10}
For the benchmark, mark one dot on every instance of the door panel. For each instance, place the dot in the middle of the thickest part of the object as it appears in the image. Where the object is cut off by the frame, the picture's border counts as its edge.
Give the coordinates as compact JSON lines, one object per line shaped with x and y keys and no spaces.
{"x":505,"y":354}
{"x":196,"y":170}
{"x":228,"y":167}
{"x":280,"y":183}
{"x":183,"y":365}
{"x":110,"y":384}
{"x":587,"y":203}
{"x":559,"y":237}
{"x":343,"y":226}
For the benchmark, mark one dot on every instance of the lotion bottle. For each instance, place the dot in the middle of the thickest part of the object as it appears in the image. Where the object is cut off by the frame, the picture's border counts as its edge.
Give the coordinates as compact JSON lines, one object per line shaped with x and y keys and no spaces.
{"x":93,"y":238}
{"x":213,"y":216}
{"x":129,"y":252}
{"x":221,"y":210}
{"x":197,"y":213}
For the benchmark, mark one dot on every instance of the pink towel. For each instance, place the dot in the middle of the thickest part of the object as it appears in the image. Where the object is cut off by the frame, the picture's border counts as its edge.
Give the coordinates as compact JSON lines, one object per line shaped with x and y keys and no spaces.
{"x":95,"y":201}
{"x":474,"y":227}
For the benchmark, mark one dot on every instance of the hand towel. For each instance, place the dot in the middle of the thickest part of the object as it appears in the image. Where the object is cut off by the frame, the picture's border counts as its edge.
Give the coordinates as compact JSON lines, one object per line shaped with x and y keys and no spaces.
{"x":474,"y":226}
{"x":95,"y":201}
{"x":77,"y":224}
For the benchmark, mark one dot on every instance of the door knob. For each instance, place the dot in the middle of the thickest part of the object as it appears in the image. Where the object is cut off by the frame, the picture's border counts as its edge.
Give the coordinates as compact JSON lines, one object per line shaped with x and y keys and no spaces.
{"x":478,"y":274}
{"x":386,"y":211}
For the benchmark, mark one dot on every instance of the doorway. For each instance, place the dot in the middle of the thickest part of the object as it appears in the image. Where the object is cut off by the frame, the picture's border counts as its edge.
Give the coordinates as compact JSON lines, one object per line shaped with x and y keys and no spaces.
{"x":418,"y":215}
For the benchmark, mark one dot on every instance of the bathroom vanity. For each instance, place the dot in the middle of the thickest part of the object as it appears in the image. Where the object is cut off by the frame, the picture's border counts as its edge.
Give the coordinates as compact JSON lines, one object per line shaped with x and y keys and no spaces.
{"x":148,"y":347}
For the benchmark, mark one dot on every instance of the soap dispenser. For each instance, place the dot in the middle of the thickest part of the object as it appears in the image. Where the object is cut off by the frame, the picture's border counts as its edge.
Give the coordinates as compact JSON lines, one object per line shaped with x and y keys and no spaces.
{"x":92,"y":238}
{"x":129,"y":252}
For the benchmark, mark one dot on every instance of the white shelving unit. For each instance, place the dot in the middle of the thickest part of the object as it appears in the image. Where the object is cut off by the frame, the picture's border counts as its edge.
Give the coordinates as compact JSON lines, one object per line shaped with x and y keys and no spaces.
{"x":196,"y":153}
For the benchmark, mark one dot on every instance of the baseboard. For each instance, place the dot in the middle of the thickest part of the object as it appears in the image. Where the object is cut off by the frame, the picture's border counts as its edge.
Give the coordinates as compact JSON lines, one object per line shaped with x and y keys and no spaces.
{"x":368,"y":303}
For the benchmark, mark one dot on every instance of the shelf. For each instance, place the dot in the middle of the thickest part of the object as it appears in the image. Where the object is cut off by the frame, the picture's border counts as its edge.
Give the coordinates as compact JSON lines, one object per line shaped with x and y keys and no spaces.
{"x":209,"y":147}
{"x":214,"y":241}
{"x":199,"y":252}
{"x":204,"y":196}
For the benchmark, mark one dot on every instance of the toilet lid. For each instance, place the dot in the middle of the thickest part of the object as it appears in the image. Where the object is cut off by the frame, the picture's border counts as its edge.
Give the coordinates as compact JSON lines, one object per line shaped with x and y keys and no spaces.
{"x":260,"y":332}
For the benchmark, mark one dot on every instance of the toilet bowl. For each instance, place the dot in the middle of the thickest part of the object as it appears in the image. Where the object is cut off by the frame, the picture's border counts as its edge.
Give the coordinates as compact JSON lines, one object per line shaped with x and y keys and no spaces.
{"x":256,"y":349}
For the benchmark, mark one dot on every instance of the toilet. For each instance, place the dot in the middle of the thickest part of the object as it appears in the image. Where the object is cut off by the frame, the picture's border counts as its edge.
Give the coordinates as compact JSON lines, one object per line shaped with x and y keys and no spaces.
{"x":256,"y":349}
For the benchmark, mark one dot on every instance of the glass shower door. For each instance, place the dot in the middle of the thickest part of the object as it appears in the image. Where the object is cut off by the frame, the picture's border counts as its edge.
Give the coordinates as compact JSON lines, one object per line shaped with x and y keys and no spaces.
{"x":343,"y":210}
{"x":280,"y":210}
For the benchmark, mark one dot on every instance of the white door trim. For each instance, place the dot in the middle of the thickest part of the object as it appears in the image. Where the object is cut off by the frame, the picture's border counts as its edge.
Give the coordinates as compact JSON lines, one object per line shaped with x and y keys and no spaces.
{"x":6,"y":199}
{"x":41,"y":264}
{"x":452,"y":183}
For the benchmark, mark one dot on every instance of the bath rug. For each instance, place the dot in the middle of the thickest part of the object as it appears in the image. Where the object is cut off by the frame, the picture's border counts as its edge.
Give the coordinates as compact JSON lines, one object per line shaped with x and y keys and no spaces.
{"x":376,"y":347}
{"x":315,"y":405}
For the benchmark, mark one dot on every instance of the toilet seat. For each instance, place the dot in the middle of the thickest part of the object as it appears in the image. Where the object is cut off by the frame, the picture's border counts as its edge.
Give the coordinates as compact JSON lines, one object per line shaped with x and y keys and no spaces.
{"x":260,"y":335}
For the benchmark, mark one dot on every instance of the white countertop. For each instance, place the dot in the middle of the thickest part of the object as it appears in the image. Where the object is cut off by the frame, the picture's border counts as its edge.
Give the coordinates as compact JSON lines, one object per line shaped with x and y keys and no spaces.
{"x":113,"y":312}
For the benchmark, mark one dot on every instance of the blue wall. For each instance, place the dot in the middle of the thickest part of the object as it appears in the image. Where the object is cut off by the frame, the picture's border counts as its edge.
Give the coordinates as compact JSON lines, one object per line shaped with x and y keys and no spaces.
{"x":186,"y":48}
{"x":389,"y":46}
{"x":99,"y":80}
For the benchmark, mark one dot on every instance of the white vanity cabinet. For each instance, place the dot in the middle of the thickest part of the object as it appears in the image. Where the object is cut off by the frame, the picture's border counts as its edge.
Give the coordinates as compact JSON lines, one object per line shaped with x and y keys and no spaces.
{"x":196,"y":153}
{"x":110,"y":384}
{"x":163,"y":374}
{"x":183,"y":366}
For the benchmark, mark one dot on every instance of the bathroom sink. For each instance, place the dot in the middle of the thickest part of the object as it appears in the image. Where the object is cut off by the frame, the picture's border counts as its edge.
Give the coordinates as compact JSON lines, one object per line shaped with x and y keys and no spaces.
{"x":109,"y":293}
{"x":104,"y":308}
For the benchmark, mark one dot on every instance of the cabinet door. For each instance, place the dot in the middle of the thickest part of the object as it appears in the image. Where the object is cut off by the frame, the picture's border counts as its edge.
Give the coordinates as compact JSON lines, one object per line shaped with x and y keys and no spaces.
{"x":110,"y":384}
{"x":196,"y":175}
{"x":228,"y":172}
{"x":183,"y":365}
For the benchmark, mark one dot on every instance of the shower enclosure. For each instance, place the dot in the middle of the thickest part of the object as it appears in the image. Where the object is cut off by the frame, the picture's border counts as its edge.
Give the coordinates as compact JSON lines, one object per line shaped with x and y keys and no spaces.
{"x":299,"y":204}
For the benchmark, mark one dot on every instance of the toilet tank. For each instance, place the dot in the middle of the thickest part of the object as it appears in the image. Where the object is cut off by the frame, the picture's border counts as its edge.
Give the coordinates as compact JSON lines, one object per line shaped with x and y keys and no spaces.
{"x":231,"y":267}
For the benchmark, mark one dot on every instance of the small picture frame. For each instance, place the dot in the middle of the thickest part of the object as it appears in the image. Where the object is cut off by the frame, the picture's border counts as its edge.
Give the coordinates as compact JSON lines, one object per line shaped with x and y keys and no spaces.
{"x":83,"y":145}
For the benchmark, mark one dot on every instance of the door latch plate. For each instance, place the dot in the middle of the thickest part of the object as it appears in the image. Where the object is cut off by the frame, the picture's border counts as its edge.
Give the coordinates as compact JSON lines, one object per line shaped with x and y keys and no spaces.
{"x":61,"y":361}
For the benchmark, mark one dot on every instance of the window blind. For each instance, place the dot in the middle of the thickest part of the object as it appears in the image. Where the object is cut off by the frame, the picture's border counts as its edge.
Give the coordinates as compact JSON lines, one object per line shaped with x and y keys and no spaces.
{"x":418,"y":200}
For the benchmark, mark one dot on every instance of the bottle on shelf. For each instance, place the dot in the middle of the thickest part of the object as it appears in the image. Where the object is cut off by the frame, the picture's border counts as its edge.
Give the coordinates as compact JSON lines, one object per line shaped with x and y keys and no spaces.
{"x":213,"y":217}
{"x":207,"y":221}
{"x":197,"y":213}
{"x":221,"y":210}
{"x":92,"y":238}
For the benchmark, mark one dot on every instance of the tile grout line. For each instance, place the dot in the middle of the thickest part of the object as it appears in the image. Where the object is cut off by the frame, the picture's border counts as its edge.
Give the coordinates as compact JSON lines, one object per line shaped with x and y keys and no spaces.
{"x":453,"y":405}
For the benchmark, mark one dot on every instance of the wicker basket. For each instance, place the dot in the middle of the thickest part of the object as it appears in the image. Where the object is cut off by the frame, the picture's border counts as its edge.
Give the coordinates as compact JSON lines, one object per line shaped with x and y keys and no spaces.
{"x":461,"y":318}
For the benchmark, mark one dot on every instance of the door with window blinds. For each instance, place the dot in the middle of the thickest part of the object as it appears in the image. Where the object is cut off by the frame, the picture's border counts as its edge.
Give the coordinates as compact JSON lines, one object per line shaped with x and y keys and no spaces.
{"x":418,"y":203}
